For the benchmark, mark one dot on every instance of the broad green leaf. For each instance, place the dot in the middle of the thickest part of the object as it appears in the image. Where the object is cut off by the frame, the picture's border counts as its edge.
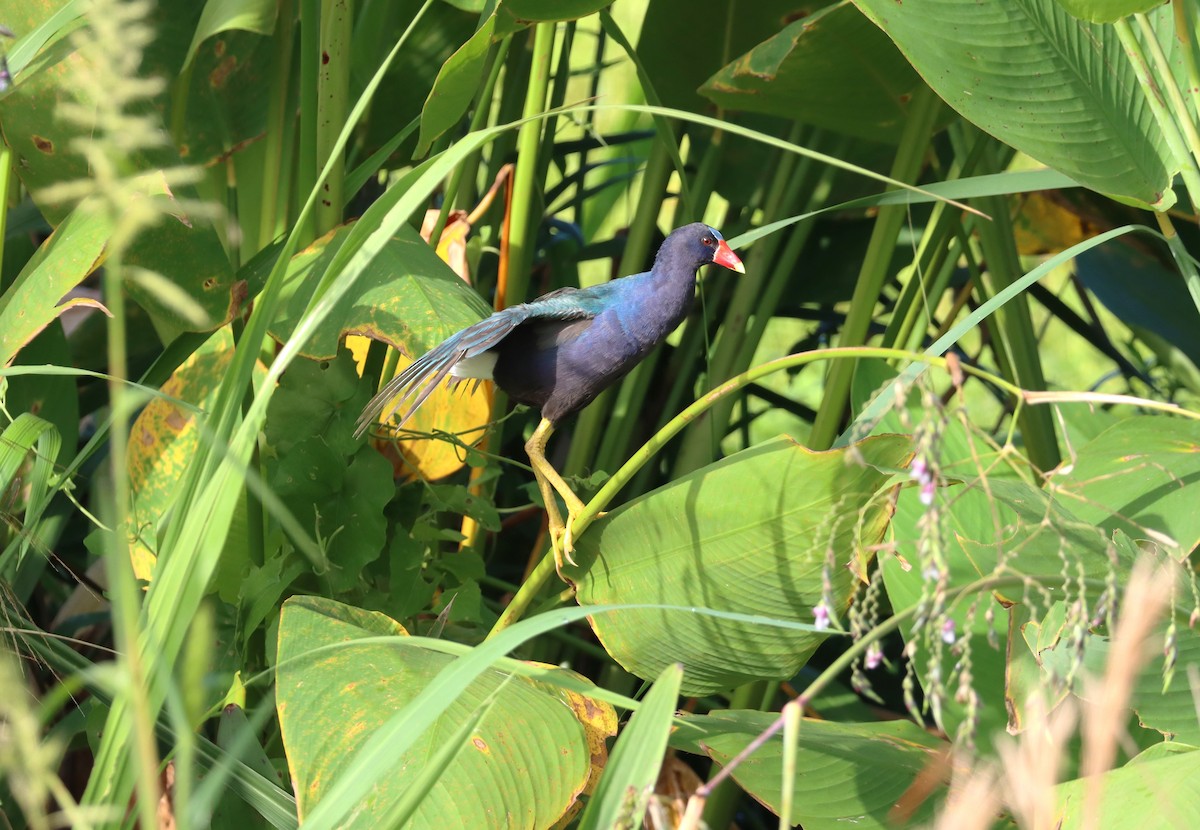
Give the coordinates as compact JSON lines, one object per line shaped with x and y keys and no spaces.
{"x":161,"y":442}
{"x":1141,"y":476}
{"x":27,"y":434}
{"x":834,"y":69}
{"x":222,"y":15}
{"x":524,"y":767}
{"x":1149,"y":795}
{"x":757,"y":533}
{"x":1171,"y":710}
{"x":1003,"y":527}
{"x":407,"y":297}
{"x":334,"y":484}
{"x":847,"y":774}
{"x":1051,"y":85}
{"x":457,"y":84}
{"x":1106,"y":11}
{"x":620,"y":799}
{"x":182,"y":247}
{"x":685,"y":42}
{"x":73,"y":251}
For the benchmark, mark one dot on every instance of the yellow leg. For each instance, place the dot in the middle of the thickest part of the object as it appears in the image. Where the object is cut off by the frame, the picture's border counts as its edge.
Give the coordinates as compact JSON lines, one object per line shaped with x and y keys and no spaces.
{"x":549,"y":482}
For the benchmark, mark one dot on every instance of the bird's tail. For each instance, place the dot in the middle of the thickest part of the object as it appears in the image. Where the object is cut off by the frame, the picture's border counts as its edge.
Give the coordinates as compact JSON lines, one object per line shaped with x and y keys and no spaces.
{"x":409,"y":389}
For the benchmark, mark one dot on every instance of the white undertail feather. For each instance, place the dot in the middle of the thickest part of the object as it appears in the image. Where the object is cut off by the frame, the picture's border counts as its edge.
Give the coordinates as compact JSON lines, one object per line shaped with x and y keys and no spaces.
{"x":479,"y":366}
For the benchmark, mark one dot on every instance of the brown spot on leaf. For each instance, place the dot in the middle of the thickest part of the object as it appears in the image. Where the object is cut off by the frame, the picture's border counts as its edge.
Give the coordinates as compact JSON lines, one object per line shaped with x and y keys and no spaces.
{"x":480,"y":744}
{"x":219,"y":48}
{"x":220,"y":75}
{"x":238,"y":294}
{"x":44,"y":144}
{"x":176,"y":419}
{"x":324,"y":58}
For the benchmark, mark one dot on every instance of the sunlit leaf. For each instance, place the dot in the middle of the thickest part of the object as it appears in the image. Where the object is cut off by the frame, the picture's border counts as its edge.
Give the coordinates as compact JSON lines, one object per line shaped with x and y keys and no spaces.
{"x":797,"y":521}
{"x":847,"y":774}
{"x":524,"y":766}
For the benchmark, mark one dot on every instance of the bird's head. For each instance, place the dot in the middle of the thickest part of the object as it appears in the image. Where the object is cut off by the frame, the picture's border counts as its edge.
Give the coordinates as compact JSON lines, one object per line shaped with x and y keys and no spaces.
{"x":706,"y":244}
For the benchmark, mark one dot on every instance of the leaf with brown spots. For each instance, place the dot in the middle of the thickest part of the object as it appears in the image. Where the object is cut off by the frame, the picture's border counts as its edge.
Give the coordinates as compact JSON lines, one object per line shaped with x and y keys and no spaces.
{"x":523,"y":766}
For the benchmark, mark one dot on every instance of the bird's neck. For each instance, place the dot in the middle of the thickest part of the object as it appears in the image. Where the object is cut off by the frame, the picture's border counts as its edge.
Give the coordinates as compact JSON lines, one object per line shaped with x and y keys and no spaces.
{"x":660,"y":303}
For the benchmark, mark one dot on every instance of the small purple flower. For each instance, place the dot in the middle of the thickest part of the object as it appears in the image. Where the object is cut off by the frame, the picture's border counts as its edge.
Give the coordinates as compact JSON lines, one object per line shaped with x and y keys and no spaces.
{"x":948,"y":634}
{"x":874,"y":658}
{"x":919,"y":469}
{"x":928,"y":488}
{"x":821,"y":615}
{"x":931,"y":573}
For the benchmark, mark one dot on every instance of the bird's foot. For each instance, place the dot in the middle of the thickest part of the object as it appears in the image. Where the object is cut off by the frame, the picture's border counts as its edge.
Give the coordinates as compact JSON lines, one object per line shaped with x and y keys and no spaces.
{"x":562,"y":546}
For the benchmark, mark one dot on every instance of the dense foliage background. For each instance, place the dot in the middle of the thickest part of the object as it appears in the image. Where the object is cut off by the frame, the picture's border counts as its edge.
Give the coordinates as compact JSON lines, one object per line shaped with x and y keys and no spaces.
{"x":897,"y":530}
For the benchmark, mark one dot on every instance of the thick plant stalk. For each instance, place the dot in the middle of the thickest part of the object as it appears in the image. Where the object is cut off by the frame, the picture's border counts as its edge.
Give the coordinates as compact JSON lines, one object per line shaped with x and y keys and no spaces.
{"x":1019,"y":339}
{"x":874,"y":272}
{"x":523,"y":222}
{"x":333,"y":90}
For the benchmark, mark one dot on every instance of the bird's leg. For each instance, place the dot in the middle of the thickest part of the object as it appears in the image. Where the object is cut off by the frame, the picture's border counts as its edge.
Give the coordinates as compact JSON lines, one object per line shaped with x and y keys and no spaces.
{"x":549,"y":481}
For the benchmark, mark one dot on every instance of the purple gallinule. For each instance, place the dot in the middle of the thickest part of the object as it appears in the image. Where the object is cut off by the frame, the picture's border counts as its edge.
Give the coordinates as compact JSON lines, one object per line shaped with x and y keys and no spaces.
{"x":563,"y":349}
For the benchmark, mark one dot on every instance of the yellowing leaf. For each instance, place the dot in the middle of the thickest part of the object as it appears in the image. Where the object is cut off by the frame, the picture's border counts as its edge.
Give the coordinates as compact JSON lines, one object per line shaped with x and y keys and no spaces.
{"x":463,"y":412}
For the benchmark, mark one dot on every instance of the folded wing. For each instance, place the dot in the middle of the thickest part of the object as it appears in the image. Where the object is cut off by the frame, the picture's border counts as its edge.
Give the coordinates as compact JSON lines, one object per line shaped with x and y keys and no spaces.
{"x":409,"y":389}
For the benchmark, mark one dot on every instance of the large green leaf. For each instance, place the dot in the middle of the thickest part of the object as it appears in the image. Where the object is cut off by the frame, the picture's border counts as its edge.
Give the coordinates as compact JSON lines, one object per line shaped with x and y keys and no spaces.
{"x":336,"y":486}
{"x":1106,"y":11}
{"x":1049,"y":84}
{"x":73,"y":251}
{"x":847,"y":774}
{"x":833,"y":69}
{"x":183,"y":247}
{"x":407,"y":297}
{"x":456,"y":86}
{"x":223,"y":15}
{"x":685,"y":42}
{"x":523,"y":767}
{"x":1171,"y":710}
{"x":757,"y":533}
{"x":1158,"y":792}
{"x":1141,"y":476}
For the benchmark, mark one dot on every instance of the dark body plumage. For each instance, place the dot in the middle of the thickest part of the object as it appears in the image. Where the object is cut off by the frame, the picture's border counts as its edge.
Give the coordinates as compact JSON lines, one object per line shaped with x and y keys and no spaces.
{"x":561,"y":350}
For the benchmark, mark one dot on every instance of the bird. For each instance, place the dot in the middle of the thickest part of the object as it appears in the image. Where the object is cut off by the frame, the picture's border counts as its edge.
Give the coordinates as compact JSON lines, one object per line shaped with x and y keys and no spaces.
{"x":560,"y":351}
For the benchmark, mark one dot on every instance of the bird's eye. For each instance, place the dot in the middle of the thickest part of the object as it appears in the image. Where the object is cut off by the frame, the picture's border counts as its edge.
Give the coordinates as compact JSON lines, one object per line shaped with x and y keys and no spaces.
{"x":708,"y":240}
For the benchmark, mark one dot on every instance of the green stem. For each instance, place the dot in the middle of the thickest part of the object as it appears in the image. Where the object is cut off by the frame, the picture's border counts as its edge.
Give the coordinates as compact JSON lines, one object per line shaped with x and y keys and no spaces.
{"x":522,"y":228}
{"x":333,"y":93}
{"x":1166,"y":81}
{"x":307,"y":168}
{"x":1151,"y":89}
{"x":739,"y":324}
{"x":462,"y":179}
{"x":1018,"y":340}
{"x":875,"y":268}
{"x":272,"y":195}
{"x":1184,"y":18}
{"x":1187,"y":265}
{"x":126,"y":605}
{"x":936,"y":257}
